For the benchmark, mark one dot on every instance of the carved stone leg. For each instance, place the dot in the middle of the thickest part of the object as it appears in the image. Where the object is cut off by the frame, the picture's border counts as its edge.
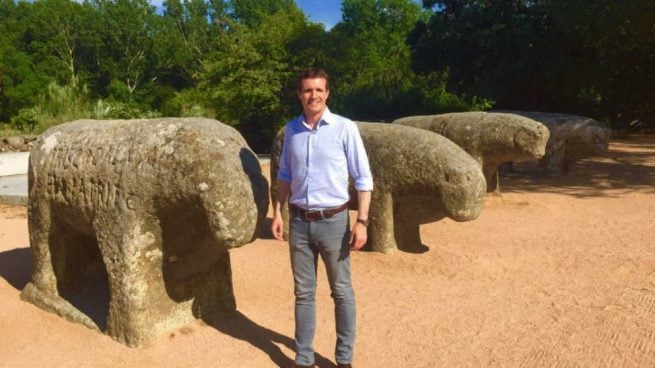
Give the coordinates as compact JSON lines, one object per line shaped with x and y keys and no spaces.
{"x":43,"y":275}
{"x":381,"y":231}
{"x":198,"y":269}
{"x":554,"y":161}
{"x":490,"y":172}
{"x":61,"y":260}
{"x":406,"y":226}
{"x":213,"y":291}
{"x":160,"y":280}
{"x":139,"y":307}
{"x":408,"y":235}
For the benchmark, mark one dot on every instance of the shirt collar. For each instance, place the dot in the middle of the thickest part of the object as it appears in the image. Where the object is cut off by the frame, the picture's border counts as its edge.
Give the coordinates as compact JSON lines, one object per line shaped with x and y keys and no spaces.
{"x":327,"y":117}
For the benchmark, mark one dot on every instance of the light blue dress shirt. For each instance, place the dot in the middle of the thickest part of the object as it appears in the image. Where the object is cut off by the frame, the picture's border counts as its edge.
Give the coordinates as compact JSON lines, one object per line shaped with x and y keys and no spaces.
{"x":317,"y":161}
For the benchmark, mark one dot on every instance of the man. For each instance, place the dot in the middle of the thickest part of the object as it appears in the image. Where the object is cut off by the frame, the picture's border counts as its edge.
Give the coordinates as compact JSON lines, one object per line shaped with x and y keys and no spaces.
{"x":320,"y":150}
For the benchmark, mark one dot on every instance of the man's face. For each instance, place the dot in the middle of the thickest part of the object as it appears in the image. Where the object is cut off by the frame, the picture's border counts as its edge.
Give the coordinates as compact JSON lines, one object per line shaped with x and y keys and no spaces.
{"x":313,"y":95}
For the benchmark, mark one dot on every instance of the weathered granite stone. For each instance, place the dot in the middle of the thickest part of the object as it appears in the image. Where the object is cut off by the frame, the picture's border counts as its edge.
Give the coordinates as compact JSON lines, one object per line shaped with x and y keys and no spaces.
{"x":572,"y":138}
{"x":151,"y":207}
{"x":490,"y":138}
{"x":17,"y":143}
{"x":419,"y":177}
{"x":14,"y":142}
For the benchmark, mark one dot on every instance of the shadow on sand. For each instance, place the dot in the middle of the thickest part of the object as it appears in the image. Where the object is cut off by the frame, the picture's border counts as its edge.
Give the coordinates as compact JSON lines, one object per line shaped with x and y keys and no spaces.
{"x":16,"y":267}
{"x":264,"y":229}
{"x":243,"y":328}
{"x":625,"y":168}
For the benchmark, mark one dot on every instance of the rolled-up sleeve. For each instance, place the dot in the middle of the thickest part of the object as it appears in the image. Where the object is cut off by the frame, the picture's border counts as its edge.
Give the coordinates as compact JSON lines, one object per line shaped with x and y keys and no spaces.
{"x":284,"y":171}
{"x":358,"y":165}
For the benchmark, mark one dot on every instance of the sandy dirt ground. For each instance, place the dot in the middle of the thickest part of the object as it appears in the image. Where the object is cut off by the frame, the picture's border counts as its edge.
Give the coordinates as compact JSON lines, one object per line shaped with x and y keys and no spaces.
{"x":555,"y":273}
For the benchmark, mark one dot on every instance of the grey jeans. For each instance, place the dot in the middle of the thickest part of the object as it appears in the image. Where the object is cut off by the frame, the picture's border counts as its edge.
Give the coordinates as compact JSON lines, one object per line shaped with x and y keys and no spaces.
{"x":329,"y":239}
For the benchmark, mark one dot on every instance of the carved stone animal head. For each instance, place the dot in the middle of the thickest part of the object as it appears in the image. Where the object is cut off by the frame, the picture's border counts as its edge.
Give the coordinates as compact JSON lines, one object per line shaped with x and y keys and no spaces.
{"x":463,"y":191}
{"x":529,"y":140}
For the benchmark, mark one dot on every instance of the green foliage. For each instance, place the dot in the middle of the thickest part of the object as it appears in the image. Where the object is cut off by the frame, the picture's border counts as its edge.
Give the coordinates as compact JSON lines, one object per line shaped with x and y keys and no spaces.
{"x":60,"y":104}
{"x":100,"y":110}
{"x":6,"y":130}
{"x":120,"y":110}
{"x":253,"y":13}
{"x":374,"y":75}
{"x":61,"y":100}
{"x":249,"y":77}
{"x":431,"y":96}
{"x":60,"y":37}
{"x":188,"y":103}
{"x":56,"y":105}
{"x":19,"y":81}
{"x":184,"y":38}
{"x":128,"y":29}
{"x":26,"y":119}
{"x":194,"y":111}
{"x":118,"y":90}
{"x":236,"y":60}
{"x":592,"y":58}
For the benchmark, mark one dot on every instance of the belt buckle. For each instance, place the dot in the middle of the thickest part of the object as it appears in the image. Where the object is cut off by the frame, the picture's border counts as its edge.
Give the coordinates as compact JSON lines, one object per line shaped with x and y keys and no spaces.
{"x":311,"y":215}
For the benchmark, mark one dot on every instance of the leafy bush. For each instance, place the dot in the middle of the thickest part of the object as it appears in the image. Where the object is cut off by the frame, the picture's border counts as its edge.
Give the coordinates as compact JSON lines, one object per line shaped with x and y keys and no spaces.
{"x":120,"y":110}
{"x":188,"y":103}
{"x":61,"y":101}
{"x":58,"y":104}
{"x":61,"y":104}
{"x":100,"y":110}
{"x":26,"y":119}
{"x":118,"y":91}
{"x":194,"y":111}
{"x":6,"y":130}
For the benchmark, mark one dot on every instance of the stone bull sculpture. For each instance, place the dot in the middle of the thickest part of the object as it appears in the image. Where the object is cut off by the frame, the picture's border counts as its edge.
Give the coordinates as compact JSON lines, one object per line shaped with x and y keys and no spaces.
{"x":419,"y":177}
{"x":151,"y":207}
{"x":572,"y":138}
{"x":490,"y":138}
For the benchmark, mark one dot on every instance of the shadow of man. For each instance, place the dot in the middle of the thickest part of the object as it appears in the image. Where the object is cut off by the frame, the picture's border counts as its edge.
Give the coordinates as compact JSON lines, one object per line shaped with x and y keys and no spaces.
{"x":243,"y":328}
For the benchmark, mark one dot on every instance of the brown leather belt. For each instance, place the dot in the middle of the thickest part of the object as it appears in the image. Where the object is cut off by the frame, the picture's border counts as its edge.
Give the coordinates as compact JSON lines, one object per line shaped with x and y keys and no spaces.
{"x":318,"y":215}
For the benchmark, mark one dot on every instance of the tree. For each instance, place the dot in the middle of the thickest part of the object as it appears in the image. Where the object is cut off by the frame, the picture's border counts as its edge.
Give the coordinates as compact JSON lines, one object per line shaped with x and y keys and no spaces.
{"x":252,"y":13}
{"x":373,"y":75}
{"x":129,"y":27}
{"x":61,"y":34}
{"x":591,"y":58}
{"x":479,"y":43}
{"x":185,"y":39}
{"x":617,"y":70}
{"x":249,"y":77}
{"x":20,"y":81}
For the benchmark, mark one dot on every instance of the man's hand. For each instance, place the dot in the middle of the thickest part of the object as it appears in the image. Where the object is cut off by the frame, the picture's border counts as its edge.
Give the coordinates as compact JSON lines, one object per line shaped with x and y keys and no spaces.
{"x":358,"y":236}
{"x":277,"y":227}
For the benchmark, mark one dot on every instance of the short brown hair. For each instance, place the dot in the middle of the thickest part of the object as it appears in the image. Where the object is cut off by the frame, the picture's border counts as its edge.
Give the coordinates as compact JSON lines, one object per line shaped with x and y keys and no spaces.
{"x":312,"y":73}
